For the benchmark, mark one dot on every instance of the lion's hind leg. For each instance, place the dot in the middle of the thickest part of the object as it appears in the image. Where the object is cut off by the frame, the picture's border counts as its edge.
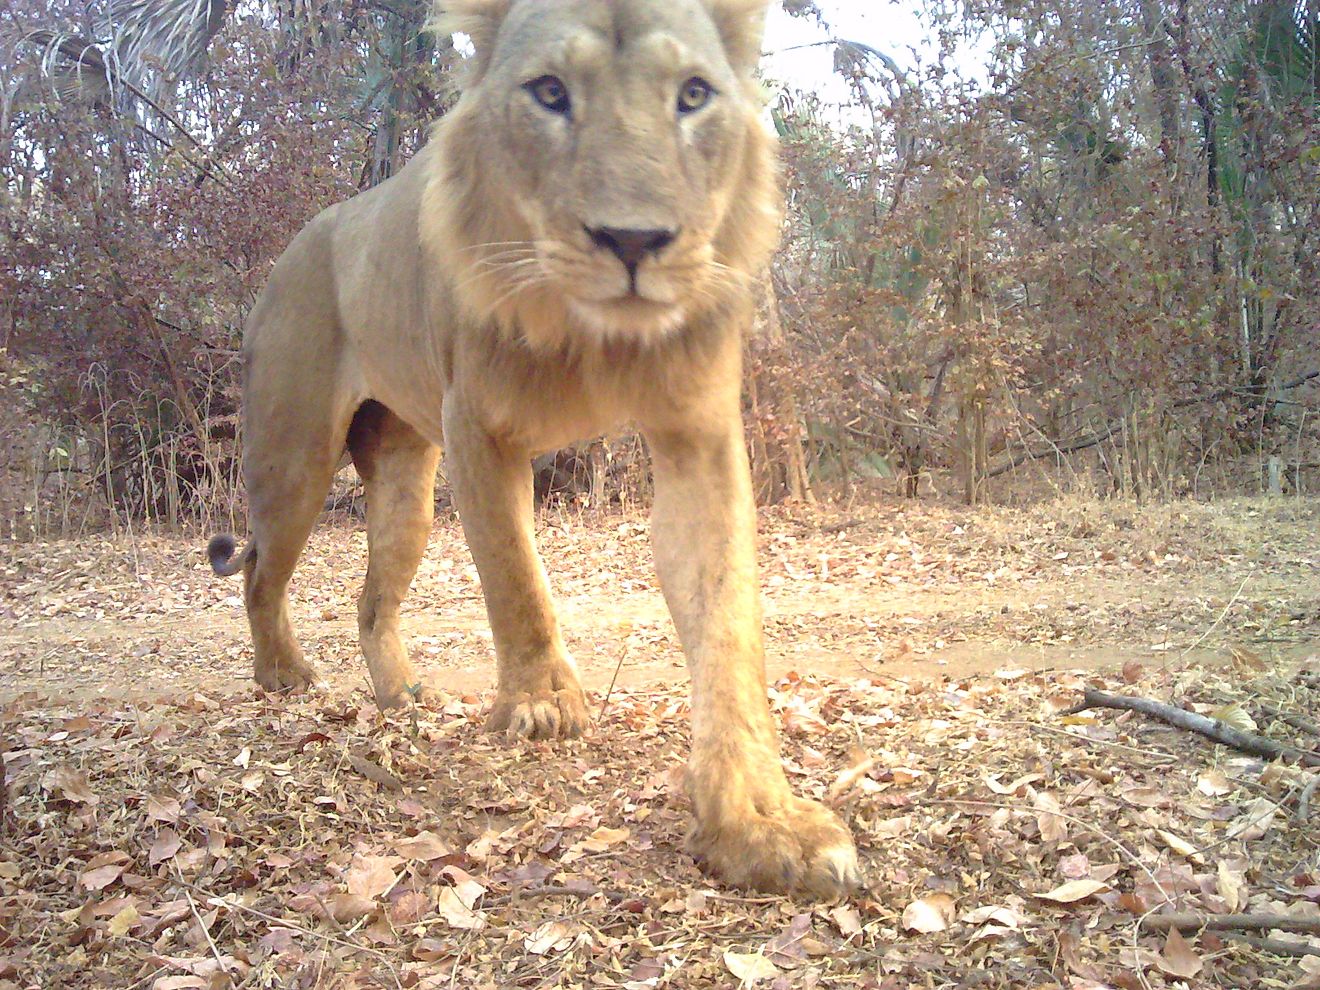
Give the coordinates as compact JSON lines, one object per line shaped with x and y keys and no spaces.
{"x":397,"y":466}
{"x":285,"y":502}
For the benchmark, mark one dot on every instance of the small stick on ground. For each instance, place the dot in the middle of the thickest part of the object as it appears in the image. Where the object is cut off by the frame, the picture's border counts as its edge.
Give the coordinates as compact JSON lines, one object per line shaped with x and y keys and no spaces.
{"x":623,"y":652}
{"x":1211,"y":728}
{"x":552,"y":890}
{"x":1190,"y":921}
{"x":201,"y":923}
{"x":1304,"y":801}
{"x":4,"y":788}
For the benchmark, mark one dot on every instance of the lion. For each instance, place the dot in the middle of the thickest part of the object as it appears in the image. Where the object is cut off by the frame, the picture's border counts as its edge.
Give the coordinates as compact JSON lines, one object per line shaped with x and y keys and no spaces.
{"x":576,"y":246}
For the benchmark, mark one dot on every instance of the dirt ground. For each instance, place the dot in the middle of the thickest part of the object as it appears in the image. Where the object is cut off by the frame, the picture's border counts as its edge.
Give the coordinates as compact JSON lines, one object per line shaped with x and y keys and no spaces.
{"x":847,"y":591}
{"x":919,"y":654}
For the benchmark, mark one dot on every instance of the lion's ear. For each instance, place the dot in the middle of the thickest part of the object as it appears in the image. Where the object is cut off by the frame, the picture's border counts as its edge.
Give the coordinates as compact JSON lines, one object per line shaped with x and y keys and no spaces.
{"x":741,"y":24}
{"x":480,"y":20}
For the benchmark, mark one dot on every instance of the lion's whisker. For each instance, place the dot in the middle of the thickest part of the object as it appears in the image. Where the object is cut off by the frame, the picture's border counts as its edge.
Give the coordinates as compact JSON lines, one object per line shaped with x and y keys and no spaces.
{"x":493,"y":244}
{"x":517,"y":288}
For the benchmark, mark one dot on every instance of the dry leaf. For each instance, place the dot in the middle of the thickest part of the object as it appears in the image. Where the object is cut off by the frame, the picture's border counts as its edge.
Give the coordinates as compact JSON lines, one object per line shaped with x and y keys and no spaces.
{"x":163,"y":809}
{"x":932,"y":913}
{"x":102,"y":876}
{"x":1017,"y":785}
{"x":166,"y":845}
{"x":848,"y":919}
{"x":788,"y":948}
{"x":1177,"y":958}
{"x":603,"y":838}
{"x":553,"y":936}
{"x":252,"y":781}
{"x":430,"y":949}
{"x":424,"y":846}
{"x":346,"y":906}
{"x":457,"y":914}
{"x":574,"y":817}
{"x":1235,"y":717}
{"x":1179,"y":845}
{"x":1255,"y":821}
{"x":1052,"y":826}
{"x":1074,"y":890}
{"x":371,"y":876}
{"x":1075,"y":866}
{"x":409,"y":907}
{"x":1231,"y":884}
{"x":71,"y":785}
{"x":1070,"y":950}
{"x":466,"y":888}
{"x":1146,"y":797}
{"x":124,"y":921}
{"x":749,"y":967}
{"x":1214,"y":783}
{"x":997,"y":913}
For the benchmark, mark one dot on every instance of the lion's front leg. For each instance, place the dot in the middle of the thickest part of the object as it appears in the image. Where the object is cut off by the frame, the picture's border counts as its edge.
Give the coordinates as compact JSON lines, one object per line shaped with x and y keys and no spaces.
{"x":539,"y":695}
{"x":751,"y":830}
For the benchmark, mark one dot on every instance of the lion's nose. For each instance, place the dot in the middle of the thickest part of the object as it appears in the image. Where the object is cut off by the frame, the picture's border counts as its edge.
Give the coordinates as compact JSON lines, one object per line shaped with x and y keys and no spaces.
{"x":631,"y":246}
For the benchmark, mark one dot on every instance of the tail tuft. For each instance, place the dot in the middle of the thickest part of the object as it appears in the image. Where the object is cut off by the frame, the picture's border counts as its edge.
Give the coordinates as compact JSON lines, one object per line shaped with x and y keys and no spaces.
{"x":222,"y":552}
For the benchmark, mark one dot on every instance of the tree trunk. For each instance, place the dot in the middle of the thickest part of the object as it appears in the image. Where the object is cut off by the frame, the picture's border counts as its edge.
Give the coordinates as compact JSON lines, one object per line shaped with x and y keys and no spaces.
{"x":1163,"y":79}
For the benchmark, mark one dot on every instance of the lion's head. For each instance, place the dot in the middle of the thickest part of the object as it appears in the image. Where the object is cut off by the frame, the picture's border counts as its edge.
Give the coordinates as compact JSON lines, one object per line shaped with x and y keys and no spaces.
{"x":606,"y":173}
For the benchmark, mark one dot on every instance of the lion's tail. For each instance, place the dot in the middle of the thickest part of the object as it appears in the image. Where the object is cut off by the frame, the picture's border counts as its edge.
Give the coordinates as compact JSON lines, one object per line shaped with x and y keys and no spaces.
{"x":225,"y":557}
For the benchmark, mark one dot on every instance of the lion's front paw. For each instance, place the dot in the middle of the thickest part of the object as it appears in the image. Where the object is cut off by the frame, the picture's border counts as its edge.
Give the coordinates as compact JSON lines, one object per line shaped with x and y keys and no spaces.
{"x":549,"y":714}
{"x":409,"y":695}
{"x":787,"y":845}
{"x":286,"y":675}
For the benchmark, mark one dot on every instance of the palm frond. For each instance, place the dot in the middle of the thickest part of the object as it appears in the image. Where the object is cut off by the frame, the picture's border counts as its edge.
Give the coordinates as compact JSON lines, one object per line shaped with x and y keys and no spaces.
{"x":159,"y":42}
{"x":73,"y":66}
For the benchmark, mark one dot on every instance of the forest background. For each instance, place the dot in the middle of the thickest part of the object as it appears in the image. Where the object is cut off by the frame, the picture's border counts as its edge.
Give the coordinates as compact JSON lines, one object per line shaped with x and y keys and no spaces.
{"x":1082,"y":258}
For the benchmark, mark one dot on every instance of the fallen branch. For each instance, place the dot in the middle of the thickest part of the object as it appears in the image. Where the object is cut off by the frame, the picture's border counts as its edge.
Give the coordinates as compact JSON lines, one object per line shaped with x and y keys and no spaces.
{"x":1190,"y":921}
{"x":1300,"y":722}
{"x":1211,"y":728}
{"x":1274,"y":946}
{"x":1093,"y":440}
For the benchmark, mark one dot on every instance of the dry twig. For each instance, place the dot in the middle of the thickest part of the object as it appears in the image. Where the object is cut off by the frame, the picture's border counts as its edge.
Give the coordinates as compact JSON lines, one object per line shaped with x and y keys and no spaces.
{"x":1274,"y":946}
{"x":1181,"y":718}
{"x":1299,"y":722}
{"x":1304,"y":800}
{"x":1190,"y":921}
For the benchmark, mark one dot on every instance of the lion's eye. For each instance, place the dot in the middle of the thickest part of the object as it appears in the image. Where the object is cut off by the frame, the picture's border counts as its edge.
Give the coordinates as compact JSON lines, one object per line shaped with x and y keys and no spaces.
{"x":694,"y":95}
{"x":550,"y":92}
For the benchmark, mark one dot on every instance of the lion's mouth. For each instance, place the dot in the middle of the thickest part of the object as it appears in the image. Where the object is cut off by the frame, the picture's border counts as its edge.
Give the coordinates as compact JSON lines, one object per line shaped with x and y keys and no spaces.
{"x":628,"y":315}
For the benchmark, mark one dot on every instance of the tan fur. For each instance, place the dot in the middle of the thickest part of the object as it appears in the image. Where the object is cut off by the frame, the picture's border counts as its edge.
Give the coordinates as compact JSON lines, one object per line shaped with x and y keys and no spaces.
{"x":465,"y":302}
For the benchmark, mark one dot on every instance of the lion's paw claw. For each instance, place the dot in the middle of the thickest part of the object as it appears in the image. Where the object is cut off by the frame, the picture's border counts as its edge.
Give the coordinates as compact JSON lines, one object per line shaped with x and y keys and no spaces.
{"x":551,"y":714}
{"x":287,"y":676}
{"x":799,"y":847}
